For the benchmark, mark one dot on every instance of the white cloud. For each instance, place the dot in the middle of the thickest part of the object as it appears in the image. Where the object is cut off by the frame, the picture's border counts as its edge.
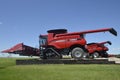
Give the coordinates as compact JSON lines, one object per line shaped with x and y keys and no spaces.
{"x":115,"y":48}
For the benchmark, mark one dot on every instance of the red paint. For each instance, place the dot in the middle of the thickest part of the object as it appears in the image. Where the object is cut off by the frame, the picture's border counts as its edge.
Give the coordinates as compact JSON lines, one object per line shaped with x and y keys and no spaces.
{"x":97,"y":47}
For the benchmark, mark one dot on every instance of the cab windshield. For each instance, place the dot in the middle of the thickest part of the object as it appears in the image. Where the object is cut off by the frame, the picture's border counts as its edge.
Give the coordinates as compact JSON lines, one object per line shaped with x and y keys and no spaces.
{"x":43,"y":40}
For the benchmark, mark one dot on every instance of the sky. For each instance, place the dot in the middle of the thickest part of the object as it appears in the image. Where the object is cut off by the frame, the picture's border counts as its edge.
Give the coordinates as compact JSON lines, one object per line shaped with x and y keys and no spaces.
{"x":24,"y":20}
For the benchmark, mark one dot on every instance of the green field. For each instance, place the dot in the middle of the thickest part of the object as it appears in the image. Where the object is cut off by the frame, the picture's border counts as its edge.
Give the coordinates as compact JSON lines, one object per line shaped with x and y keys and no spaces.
{"x":10,"y":71}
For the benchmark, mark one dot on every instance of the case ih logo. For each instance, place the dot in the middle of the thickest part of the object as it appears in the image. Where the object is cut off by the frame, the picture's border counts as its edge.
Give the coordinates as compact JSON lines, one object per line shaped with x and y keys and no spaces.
{"x":74,"y":39}
{"x":61,"y":41}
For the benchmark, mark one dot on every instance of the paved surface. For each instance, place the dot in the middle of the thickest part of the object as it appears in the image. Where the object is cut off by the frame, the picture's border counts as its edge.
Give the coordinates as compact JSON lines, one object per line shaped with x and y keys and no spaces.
{"x":117,"y":60}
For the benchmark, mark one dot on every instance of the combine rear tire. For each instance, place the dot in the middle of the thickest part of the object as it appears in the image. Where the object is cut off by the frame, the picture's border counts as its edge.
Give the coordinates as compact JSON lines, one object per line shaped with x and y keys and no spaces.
{"x":77,"y":53}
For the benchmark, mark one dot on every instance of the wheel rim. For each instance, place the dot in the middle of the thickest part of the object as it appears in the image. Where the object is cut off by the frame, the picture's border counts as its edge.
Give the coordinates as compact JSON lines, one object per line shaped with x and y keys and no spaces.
{"x":78,"y":54}
{"x":95,"y":55}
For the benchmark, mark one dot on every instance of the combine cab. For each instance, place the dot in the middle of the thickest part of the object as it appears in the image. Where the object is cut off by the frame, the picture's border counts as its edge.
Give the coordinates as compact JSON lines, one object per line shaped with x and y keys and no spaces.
{"x":59,"y":42}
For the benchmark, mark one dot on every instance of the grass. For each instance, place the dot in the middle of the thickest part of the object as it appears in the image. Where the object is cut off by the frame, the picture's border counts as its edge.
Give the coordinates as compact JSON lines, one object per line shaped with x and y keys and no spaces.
{"x":9,"y":71}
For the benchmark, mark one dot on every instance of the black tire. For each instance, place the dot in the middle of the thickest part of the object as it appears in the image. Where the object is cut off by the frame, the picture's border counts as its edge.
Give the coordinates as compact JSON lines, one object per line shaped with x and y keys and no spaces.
{"x":43,"y":56}
{"x":86,"y":55}
{"x":60,"y":56}
{"x":77,"y":53}
{"x":105,"y":55}
{"x":95,"y":55}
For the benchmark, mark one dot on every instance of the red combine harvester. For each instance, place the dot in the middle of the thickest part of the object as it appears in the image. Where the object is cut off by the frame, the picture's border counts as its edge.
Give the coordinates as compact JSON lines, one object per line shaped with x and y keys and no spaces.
{"x":23,"y":50}
{"x":98,"y":49}
{"x":59,"y":42}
